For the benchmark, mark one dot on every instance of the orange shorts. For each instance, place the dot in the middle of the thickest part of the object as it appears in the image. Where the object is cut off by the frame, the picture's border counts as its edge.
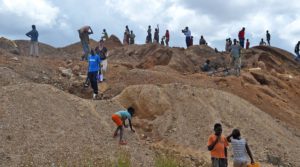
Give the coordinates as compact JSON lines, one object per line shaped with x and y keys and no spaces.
{"x":116,"y":118}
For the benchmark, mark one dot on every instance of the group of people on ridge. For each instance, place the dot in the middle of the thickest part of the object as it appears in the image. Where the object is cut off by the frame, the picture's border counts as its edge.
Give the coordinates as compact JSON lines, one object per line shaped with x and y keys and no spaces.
{"x":164,"y":40}
{"x":129,"y":36}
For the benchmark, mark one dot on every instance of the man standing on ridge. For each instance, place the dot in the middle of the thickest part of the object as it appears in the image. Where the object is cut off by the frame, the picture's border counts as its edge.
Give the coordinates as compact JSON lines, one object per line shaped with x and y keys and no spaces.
{"x":105,"y":35}
{"x":167,"y":35}
{"x":132,"y":37}
{"x":84,"y":33}
{"x":202,"y":40}
{"x":156,"y":35}
{"x":268,"y":35}
{"x":236,"y":56}
{"x":297,"y":51}
{"x":149,"y":36}
{"x":187,"y":34}
{"x":247,"y":44}
{"x":34,"y":45}
{"x":242,"y":37}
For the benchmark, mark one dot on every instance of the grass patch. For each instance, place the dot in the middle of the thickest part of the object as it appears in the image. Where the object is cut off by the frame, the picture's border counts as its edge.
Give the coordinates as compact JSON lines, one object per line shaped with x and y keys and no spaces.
{"x":166,"y":161}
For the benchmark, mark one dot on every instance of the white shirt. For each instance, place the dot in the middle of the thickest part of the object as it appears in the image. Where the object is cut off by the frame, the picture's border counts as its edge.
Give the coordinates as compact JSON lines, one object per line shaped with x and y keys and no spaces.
{"x":239,"y":150}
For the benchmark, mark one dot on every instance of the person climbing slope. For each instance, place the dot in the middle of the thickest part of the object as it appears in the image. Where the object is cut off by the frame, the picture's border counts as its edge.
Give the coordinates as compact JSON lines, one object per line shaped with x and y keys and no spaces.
{"x":93,"y":69}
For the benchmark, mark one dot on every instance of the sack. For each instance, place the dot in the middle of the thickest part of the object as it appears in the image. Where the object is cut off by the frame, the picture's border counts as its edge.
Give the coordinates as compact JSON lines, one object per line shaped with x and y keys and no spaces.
{"x":254,"y":165}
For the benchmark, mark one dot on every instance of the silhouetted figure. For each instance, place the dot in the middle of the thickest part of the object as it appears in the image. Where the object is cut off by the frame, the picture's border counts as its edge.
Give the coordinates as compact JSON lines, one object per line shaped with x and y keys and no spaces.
{"x":156,"y":35}
{"x":247,"y":44}
{"x":149,"y":35}
{"x":297,"y":51}
{"x":127,"y":32}
{"x":262,"y":42}
{"x":167,"y":35}
{"x":242,"y":37}
{"x":268,"y":35}
{"x":105,"y":35}
{"x":187,"y":34}
{"x":132,"y":37}
{"x":202,"y":41}
{"x":34,"y":45}
{"x":162,"y":41}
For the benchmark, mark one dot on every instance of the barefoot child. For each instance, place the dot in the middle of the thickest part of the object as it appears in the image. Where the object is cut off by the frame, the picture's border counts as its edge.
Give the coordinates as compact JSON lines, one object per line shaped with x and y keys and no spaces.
{"x":119,"y":118}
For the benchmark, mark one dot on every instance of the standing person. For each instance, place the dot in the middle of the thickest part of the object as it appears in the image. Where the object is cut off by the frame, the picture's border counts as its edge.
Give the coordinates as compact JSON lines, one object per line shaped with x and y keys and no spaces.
{"x":105,"y":35}
{"x":240,"y":149}
{"x":217,"y":145}
{"x":268,"y":35}
{"x":34,"y":45}
{"x":162,"y":41}
{"x":192,"y":41}
{"x":167,"y":35}
{"x":262,"y":42}
{"x":227,"y":45}
{"x":156,"y":35}
{"x":202,"y":41}
{"x":149,"y":35}
{"x":247,"y":44}
{"x":84,"y":33}
{"x":102,"y":51}
{"x":187,"y":34}
{"x":125,"y":39}
{"x":127,"y":31}
{"x":119,"y":118}
{"x":132,"y":36}
{"x":93,"y":69}
{"x":236,"y":57}
{"x":297,"y":51}
{"x":242,"y":37}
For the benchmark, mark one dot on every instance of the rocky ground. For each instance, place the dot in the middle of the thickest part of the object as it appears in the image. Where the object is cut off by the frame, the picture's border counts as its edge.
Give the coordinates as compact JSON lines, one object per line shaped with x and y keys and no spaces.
{"x":47,"y":117}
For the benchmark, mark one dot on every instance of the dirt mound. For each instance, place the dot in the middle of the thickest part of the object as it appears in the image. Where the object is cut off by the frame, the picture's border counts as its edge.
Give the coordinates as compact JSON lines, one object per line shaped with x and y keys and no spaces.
{"x":171,"y":95}
{"x":47,"y":127}
{"x":112,"y":42}
{"x":44,"y":49}
{"x":9,"y":45}
{"x":198,"y":109}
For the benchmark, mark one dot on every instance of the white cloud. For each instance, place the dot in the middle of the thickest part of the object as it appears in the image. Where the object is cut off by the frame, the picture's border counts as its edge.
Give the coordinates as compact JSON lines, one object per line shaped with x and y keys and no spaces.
{"x":39,"y":12}
{"x":215,"y":19}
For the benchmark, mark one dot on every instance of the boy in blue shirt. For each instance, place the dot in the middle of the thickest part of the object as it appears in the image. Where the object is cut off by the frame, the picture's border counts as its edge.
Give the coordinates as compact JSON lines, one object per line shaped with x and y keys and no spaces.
{"x":119,"y":118}
{"x":93,"y":68}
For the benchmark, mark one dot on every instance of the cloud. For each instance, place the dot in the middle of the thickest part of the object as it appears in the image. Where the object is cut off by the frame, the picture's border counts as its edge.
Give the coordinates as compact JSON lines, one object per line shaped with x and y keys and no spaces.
{"x":58,"y":20}
{"x":40,"y":12}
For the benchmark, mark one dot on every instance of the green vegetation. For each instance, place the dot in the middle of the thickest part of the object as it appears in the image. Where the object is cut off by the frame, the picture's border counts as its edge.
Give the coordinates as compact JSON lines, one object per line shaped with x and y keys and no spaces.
{"x":166,"y":161}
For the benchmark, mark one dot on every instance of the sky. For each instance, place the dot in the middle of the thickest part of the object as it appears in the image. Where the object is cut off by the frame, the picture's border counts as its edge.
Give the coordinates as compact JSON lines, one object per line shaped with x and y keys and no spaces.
{"x":58,"y":20}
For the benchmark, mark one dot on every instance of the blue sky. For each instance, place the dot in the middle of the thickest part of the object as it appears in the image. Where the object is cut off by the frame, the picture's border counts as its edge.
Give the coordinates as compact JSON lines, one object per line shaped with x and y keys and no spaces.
{"x":58,"y":20}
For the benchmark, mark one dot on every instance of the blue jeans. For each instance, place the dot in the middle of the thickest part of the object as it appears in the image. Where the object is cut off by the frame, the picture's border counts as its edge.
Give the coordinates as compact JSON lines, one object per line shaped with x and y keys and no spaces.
{"x":242,"y":42}
{"x":85,"y":48}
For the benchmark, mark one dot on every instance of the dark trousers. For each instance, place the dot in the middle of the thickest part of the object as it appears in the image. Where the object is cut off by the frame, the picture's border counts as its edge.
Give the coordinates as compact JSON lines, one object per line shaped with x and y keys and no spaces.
{"x":188,"y":41}
{"x":219,"y":162}
{"x":93,"y":79}
{"x":242,"y":42}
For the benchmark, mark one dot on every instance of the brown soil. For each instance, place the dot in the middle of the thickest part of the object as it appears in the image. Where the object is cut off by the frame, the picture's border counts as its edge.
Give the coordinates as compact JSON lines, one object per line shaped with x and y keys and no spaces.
{"x":47,"y":118}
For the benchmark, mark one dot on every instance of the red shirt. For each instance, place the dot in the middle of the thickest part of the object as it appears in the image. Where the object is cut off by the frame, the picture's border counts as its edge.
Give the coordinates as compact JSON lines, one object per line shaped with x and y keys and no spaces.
{"x":167,"y":35}
{"x":242,"y":34}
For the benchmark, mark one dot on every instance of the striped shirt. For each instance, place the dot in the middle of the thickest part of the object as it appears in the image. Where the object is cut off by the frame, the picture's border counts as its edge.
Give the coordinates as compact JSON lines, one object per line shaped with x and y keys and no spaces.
{"x":239,"y":150}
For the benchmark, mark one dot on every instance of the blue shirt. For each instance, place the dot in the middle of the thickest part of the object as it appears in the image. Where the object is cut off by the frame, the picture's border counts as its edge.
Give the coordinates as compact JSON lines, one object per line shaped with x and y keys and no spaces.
{"x":124,"y":114}
{"x":94,"y":62}
{"x":33,"y":34}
